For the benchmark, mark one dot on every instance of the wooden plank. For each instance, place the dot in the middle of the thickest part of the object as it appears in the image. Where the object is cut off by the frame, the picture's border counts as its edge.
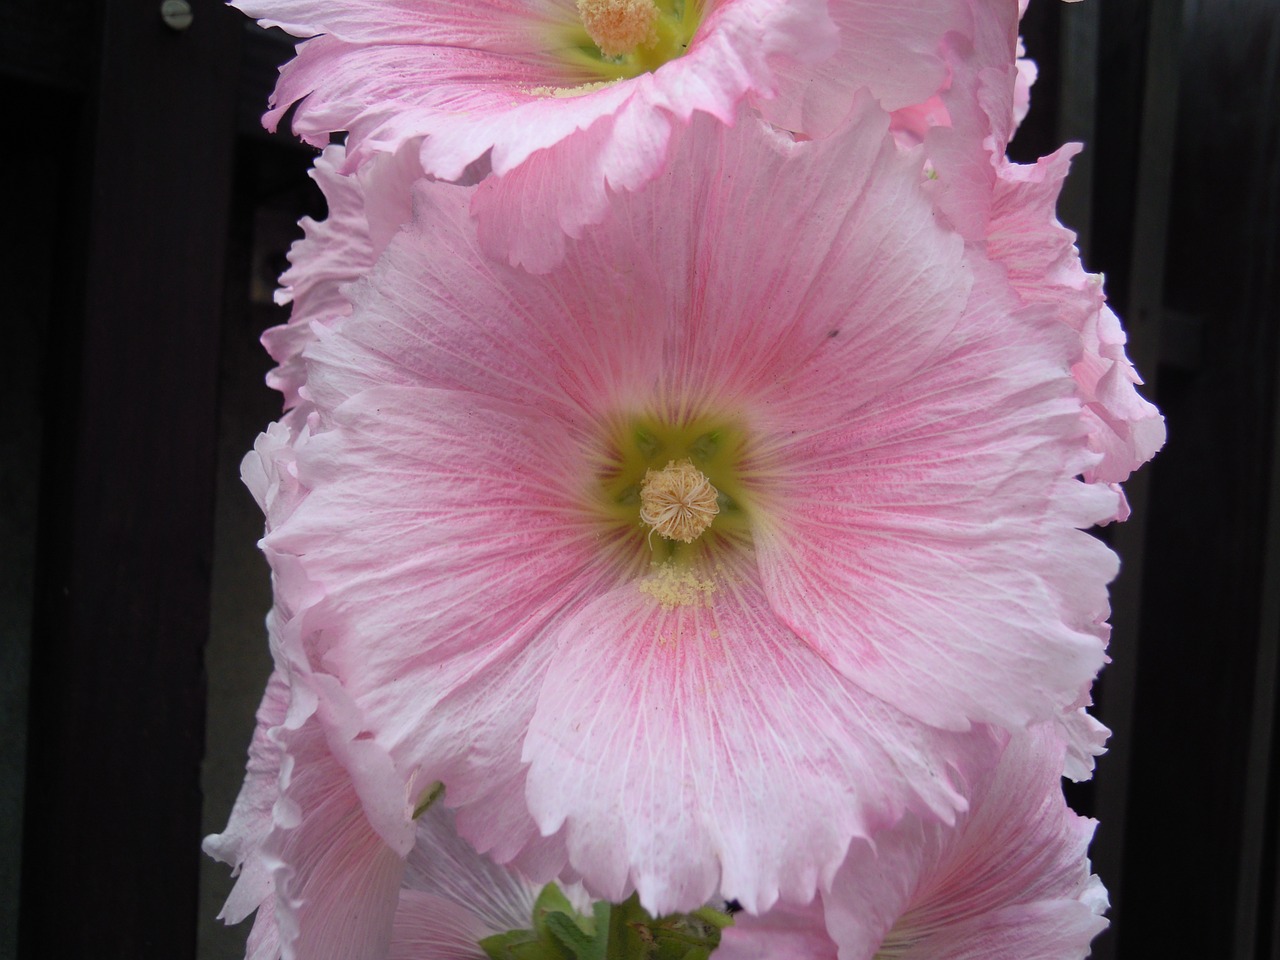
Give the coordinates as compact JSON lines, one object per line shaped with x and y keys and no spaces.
{"x":117,"y":686}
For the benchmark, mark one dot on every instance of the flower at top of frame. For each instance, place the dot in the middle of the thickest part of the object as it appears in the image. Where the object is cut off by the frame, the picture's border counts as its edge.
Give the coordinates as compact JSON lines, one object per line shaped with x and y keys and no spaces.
{"x":582,"y":96}
{"x":894,"y":555}
{"x":1010,"y":881}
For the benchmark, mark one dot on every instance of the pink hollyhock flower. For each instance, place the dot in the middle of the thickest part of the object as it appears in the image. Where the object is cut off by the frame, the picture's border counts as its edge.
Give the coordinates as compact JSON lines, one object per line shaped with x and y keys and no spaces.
{"x":1010,"y":881}
{"x":533,"y":598}
{"x":1009,"y":209}
{"x":317,"y":835}
{"x":582,"y":97}
{"x":319,"y":832}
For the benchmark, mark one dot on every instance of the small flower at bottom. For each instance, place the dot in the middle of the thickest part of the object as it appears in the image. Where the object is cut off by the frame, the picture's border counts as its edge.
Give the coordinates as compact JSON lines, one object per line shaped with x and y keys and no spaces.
{"x":893,"y":556}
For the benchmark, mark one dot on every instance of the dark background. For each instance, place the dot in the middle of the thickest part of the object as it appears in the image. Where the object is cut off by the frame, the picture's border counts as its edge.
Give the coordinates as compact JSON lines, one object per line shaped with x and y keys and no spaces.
{"x":147,"y":214}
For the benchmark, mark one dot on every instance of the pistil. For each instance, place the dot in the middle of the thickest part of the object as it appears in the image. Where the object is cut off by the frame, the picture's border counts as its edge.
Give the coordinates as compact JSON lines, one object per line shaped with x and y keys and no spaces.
{"x":678,"y":501}
{"x":619,"y":27}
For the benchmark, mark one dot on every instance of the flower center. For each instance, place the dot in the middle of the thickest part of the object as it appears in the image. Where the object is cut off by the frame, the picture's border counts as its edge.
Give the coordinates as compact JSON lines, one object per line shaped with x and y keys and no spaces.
{"x":673,"y":478}
{"x":678,"y":501}
{"x":619,"y":39}
{"x":619,"y":26}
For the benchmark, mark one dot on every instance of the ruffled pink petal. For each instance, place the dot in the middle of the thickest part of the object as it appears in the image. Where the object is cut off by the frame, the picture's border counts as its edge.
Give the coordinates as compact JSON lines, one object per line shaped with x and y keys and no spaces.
{"x":442,"y":639}
{"x":893,"y":50}
{"x":270,"y":473}
{"x":1044,"y":267}
{"x":1126,"y":429}
{"x":979,"y":104}
{"x":1027,"y":74}
{"x":470,"y":80}
{"x":365,"y":210}
{"x":332,"y":252}
{"x":336,"y":879}
{"x":240,"y":844}
{"x":1011,"y":880}
{"x":693,"y":748}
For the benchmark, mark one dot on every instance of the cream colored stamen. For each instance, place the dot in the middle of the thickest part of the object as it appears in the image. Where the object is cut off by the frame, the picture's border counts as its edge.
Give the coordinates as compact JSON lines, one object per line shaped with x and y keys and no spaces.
{"x":678,"y":501}
{"x":619,"y":26}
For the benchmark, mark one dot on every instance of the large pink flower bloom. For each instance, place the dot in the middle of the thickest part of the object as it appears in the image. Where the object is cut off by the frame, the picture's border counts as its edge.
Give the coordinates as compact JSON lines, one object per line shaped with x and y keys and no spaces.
{"x":582,"y":97}
{"x":892,"y":555}
{"x":1010,"y":881}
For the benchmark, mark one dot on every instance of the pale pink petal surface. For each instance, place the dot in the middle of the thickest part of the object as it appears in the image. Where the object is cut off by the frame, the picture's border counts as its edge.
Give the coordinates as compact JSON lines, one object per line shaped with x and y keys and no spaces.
{"x":240,"y":844}
{"x":452,"y":897}
{"x":1010,"y":881}
{"x":896,"y":51}
{"x":336,"y":878}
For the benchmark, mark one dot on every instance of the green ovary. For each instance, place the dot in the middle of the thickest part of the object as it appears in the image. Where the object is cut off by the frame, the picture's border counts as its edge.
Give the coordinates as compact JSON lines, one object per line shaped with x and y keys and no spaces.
{"x":601,"y":46}
{"x":716,"y":446}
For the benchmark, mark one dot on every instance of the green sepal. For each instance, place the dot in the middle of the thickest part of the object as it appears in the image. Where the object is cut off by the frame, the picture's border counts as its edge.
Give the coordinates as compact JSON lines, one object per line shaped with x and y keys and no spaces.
{"x":550,"y":901}
{"x":521,"y":945}
{"x":622,"y":931}
{"x":429,"y":796}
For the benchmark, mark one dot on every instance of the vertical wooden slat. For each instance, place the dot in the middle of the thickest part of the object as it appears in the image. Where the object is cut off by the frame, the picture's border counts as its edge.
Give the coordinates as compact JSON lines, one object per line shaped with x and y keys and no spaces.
{"x":1145,"y":302}
{"x":1260,"y":819}
{"x":117,"y":692}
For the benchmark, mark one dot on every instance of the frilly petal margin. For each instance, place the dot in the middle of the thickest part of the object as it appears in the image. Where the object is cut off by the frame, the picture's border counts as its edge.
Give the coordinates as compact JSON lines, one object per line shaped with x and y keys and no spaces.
{"x":466,"y":81}
{"x":322,"y":878}
{"x":365,"y":209}
{"x":336,"y":879}
{"x":1010,"y":881}
{"x":240,"y":844}
{"x":893,"y":50}
{"x":730,"y":764}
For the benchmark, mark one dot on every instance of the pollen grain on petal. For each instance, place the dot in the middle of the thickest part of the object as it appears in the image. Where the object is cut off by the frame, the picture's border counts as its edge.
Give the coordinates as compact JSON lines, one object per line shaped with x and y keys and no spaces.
{"x":677,"y":586}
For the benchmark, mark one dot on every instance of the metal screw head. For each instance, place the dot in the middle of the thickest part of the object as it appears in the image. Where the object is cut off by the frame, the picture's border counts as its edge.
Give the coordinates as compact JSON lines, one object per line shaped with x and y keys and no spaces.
{"x":176,"y":14}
